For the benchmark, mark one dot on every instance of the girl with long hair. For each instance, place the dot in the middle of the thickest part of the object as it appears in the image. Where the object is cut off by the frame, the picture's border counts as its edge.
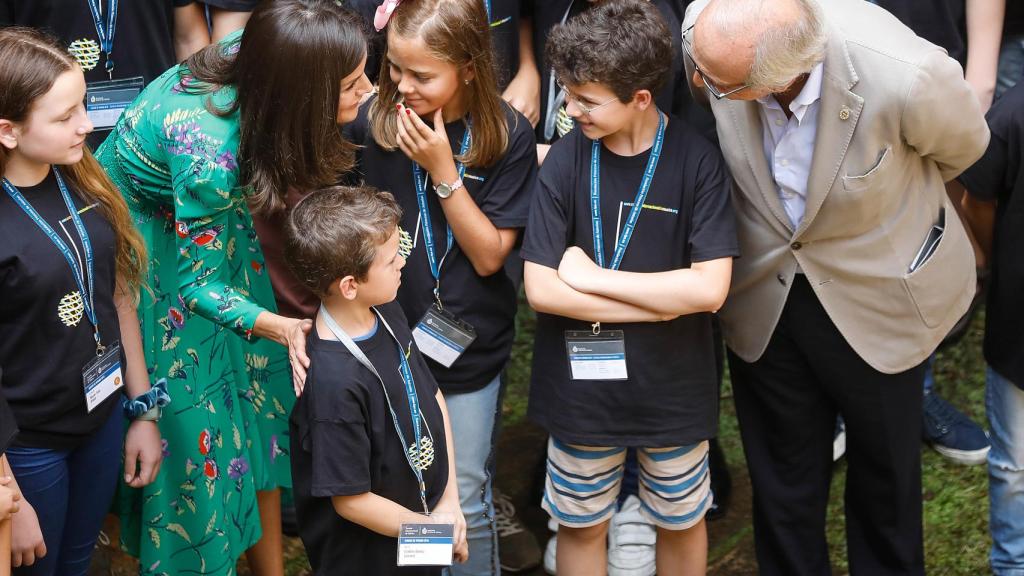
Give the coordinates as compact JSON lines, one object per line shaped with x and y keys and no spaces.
{"x":71,"y":268}
{"x":206,"y":146}
{"x":461,"y":163}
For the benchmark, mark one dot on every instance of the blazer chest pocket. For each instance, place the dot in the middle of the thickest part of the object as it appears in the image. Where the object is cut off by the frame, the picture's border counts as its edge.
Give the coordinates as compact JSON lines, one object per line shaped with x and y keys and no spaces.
{"x":862,"y":181}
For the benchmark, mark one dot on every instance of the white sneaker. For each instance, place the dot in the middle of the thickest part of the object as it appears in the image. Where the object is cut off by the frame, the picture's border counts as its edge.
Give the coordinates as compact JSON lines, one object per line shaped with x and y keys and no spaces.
{"x":631,"y":542}
{"x":550,"y":563}
{"x":839,"y":440}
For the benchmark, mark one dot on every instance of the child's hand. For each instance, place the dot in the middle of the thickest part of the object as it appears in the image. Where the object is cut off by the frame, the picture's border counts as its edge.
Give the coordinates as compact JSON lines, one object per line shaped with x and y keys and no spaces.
{"x":577,"y":269}
{"x":8,"y":499}
{"x":143,"y":453}
{"x":26,"y":538}
{"x":449,"y":510}
{"x":426,"y":146}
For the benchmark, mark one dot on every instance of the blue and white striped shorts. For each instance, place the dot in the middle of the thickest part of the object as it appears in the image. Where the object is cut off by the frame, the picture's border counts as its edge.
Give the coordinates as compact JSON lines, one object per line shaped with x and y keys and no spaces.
{"x":583,"y":482}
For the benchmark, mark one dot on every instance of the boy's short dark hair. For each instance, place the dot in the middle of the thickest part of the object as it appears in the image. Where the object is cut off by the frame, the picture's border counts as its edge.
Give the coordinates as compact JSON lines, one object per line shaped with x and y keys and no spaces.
{"x":335,"y":232}
{"x":622,"y":44}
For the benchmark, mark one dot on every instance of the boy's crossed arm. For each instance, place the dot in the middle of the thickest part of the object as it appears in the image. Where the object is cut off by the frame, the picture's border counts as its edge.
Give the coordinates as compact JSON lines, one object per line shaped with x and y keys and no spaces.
{"x":582,"y":290}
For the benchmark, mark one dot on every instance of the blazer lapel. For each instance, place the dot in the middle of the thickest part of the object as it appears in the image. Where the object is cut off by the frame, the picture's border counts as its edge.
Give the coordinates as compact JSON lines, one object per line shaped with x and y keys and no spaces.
{"x":750,"y":132}
{"x":838,"y":113}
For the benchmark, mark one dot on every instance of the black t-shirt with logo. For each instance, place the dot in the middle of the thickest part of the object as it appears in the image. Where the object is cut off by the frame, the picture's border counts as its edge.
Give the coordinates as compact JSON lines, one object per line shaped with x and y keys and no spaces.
{"x":671,"y":395}
{"x":502,"y":192}
{"x":143,"y":35}
{"x":41,"y":355}
{"x":343,"y":443}
{"x":998,"y":176}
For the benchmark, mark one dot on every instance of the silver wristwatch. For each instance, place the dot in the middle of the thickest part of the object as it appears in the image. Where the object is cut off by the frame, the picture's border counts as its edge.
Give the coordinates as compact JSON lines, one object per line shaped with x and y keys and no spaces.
{"x":445,"y":190}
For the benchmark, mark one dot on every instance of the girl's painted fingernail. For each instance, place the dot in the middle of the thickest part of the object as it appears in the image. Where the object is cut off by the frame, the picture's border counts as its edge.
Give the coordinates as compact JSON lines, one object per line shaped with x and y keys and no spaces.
{"x":408,"y":112}
{"x":398,"y":106}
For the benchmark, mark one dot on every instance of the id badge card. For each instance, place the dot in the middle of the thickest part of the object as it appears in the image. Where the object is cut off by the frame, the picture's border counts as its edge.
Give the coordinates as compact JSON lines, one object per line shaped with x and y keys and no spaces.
{"x":596,"y":356}
{"x":426,"y":544}
{"x":102,"y":376}
{"x":442,"y":337}
{"x":105,"y":101}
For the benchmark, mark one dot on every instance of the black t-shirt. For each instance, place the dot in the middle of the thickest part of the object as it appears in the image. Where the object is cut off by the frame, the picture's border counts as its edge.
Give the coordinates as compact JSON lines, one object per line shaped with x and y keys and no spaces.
{"x":937,"y":21}
{"x":8,"y":427}
{"x":143,"y":36}
{"x":504,"y":31}
{"x":671,"y":396}
{"x":42,"y":357}
{"x":502,"y":193}
{"x":343,"y":443}
{"x":998,"y":176}
{"x":674,"y":96}
{"x":1013,"y":24}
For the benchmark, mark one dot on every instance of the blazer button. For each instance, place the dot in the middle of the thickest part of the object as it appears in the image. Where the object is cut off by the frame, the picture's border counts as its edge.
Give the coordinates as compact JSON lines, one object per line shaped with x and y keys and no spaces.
{"x":796,"y":245}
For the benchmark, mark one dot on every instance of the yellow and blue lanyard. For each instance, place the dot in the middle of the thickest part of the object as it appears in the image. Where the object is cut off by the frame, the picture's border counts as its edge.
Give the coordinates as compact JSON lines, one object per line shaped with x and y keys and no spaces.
{"x":638,"y":203}
{"x":410,"y":393}
{"x":85,"y":285}
{"x":420,"y":180}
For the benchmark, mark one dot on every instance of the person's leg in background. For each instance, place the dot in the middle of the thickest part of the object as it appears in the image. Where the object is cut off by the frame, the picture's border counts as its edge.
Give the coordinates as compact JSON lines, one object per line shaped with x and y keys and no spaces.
{"x":1004,"y":403}
{"x":948,"y":430}
{"x":71,"y":492}
{"x":473,"y":418}
{"x":1011,"y":64}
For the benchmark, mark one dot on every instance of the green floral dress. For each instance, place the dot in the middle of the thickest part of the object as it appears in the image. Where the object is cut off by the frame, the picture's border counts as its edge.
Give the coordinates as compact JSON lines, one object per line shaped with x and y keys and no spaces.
{"x":225,"y":431}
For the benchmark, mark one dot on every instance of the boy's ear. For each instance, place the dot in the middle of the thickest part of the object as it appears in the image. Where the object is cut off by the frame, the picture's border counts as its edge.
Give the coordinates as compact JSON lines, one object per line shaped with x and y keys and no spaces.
{"x":642,"y":99}
{"x":9,"y":133}
{"x":348,"y":287}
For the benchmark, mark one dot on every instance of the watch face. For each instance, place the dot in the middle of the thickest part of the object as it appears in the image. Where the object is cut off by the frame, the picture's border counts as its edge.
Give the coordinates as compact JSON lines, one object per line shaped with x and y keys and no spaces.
{"x":443,"y":190}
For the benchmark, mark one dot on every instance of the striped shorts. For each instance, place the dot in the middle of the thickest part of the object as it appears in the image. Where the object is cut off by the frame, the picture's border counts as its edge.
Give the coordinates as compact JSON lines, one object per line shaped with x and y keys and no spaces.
{"x":582,"y":484}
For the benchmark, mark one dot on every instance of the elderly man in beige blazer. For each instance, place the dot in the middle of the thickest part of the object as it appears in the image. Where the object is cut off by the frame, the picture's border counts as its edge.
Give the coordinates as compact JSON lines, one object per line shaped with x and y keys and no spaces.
{"x":840,"y":127}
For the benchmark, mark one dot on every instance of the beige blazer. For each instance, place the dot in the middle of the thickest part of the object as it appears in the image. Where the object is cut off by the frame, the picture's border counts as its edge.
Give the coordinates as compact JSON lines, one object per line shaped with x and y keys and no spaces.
{"x":896,"y":121}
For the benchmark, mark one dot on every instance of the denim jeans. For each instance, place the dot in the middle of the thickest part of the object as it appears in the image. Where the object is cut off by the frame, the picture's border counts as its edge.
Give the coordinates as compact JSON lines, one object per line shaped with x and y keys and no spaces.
{"x":71,"y":491}
{"x":1011,"y":64}
{"x":473,"y":417}
{"x":1005,"y":405}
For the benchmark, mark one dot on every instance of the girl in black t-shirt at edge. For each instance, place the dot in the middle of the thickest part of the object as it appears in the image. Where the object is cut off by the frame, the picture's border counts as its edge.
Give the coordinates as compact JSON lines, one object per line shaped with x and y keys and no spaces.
{"x":71,"y":264}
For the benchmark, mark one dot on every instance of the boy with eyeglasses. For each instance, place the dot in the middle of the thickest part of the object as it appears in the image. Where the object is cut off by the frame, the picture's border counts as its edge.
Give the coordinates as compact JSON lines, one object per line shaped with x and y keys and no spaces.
{"x":628,"y":251}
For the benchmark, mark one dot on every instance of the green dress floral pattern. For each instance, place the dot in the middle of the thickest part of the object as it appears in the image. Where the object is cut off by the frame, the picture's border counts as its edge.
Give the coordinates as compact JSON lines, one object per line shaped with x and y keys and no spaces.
{"x":225,"y":431}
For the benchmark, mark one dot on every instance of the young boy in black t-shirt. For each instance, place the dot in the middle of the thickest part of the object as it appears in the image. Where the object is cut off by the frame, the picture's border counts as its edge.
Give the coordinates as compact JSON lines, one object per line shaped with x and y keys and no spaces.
{"x":628,"y":250}
{"x":362,"y":464}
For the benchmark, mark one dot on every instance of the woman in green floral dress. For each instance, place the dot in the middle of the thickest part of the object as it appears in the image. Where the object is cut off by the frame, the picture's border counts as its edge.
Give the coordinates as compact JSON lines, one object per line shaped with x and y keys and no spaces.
{"x":228,"y":131}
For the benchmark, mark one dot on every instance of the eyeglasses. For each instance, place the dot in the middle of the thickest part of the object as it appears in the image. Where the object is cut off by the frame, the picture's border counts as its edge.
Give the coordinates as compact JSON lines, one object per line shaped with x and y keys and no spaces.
{"x":708,"y":84}
{"x":587,"y":110}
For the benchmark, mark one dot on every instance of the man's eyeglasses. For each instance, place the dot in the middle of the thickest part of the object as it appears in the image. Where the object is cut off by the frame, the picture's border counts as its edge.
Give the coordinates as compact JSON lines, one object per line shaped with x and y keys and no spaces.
{"x":587,"y":110}
{"x":708,"y":84}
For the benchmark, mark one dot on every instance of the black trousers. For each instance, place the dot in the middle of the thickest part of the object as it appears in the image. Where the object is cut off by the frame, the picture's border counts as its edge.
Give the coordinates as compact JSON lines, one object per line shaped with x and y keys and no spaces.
{"x":786,"y":403}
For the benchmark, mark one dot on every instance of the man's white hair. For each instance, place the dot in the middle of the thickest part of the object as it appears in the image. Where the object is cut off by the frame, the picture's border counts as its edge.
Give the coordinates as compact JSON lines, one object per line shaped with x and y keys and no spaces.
{"x":784,"y":48}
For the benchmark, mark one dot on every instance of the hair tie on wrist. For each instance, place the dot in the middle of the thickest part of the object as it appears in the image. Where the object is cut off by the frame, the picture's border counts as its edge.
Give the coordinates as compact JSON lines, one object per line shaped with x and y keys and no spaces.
{"x":156,"y":397}
{"x":384,"y":12}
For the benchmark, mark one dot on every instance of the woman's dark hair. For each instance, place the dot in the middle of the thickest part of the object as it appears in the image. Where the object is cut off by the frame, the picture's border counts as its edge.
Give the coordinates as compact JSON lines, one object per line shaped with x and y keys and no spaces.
{"x":622,"y":44}
{"x":287,"y":72}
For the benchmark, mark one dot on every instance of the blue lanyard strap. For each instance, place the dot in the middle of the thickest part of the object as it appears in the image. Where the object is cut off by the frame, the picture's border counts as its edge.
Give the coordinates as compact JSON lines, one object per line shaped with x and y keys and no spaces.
{"x":487,"y":5}
{"x":638,"y":202}
{"x":420,"y":180}
{"x":410,"y":392}
{"x":105,"y":30}
{"x":65,"y":250}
